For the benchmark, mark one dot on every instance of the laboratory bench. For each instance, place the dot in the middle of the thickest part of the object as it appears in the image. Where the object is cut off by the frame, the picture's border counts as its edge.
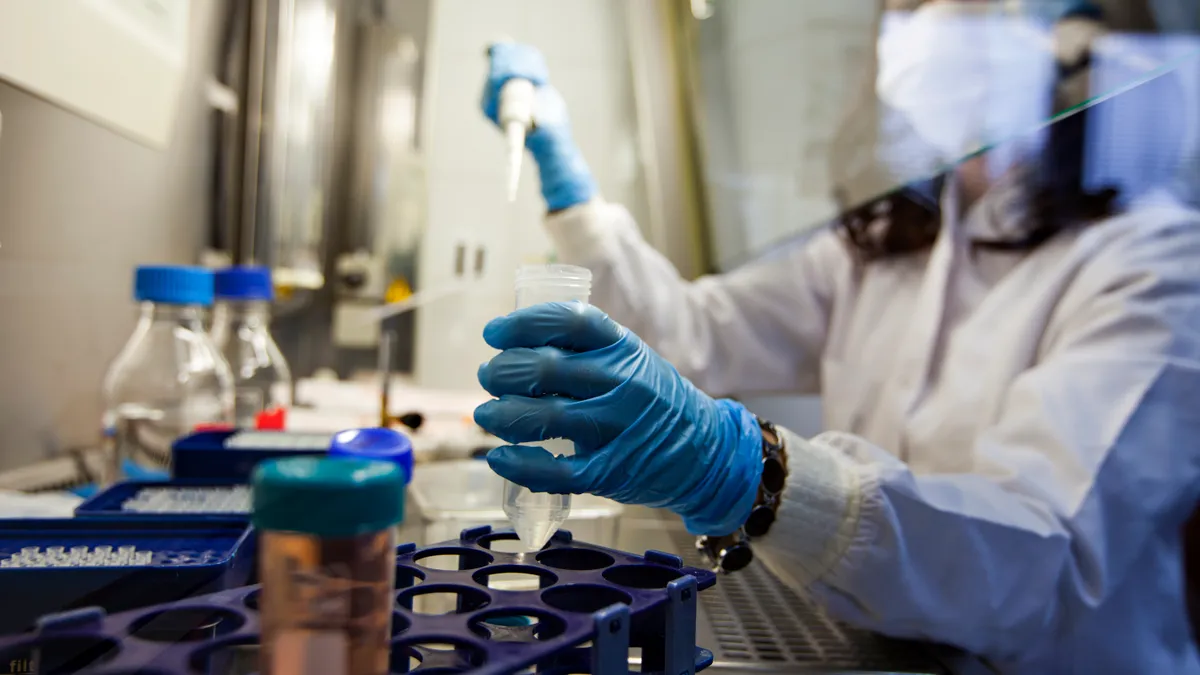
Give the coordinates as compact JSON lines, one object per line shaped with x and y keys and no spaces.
{"x":750,"y":621}
{"x":754,"y":624}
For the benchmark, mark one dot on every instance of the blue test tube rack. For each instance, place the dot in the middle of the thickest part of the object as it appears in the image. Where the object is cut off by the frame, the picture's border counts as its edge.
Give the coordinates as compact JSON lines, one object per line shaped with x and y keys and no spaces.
{"x":590,"y":607}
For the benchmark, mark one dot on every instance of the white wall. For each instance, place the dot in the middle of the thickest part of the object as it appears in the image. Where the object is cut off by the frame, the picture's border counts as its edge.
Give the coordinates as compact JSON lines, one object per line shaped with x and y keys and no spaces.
{"x":778,"y":76}
{"x":80,"y":206}
{"x":584,"y":46}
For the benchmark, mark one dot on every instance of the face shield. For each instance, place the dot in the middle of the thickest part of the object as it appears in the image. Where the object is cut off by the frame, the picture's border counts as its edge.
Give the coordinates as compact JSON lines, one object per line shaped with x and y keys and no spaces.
{"x":955,"y":78}
{"x":811,"y":113}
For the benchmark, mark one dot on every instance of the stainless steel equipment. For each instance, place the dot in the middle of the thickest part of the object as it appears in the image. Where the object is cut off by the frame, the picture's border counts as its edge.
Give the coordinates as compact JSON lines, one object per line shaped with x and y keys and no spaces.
{"x":753,"y":623}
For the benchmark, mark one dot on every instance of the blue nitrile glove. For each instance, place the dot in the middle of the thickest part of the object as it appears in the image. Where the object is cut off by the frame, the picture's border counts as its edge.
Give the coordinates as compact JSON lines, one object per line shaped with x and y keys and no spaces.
{"x":643,"y":433}
{"x":566,"y":180}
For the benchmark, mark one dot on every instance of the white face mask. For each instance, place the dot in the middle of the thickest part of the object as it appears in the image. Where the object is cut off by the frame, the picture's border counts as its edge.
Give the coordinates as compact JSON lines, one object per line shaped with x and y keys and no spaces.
{"x":965,"y":76}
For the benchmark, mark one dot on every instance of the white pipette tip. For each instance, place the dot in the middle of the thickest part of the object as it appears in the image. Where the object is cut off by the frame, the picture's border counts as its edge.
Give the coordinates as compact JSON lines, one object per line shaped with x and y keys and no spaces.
{"x":515,"y":133}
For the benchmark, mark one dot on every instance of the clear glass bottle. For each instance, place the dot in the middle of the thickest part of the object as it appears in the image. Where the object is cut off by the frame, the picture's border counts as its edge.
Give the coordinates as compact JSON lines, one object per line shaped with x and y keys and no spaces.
{"x":535,"y":516}
{"x":169,"y":378}
{"x":241,"y":330}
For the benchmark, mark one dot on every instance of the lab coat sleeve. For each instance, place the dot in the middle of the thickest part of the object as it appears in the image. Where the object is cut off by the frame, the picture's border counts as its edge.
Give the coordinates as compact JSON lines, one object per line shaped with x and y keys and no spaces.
{"x":759,"y":328}
{"x":1093,"y":452}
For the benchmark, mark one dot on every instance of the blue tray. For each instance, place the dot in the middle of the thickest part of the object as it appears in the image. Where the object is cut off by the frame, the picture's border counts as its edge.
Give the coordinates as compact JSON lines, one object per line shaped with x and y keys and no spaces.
{"x":108,"y":503}
{"x":591,"y":607}
{"x":173,"y":574}
{"x":204,"y":455}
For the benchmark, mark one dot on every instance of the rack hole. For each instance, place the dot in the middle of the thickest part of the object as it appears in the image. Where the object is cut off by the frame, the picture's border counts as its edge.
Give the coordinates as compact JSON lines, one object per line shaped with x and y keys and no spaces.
{"x":399,"y":623}
{"x":584,"y":598}
{"x":186,"y":625}
{"x":506,"y":546}
{"x":451,"y":558}
{"x":239,"y":656}
{"x":436,"y":657}
{"x":517,"y":625}
{"x":412,"y":660}
{"x":641,"y":576}
{"x":575,"y":559}
{"x":635,"y":659}
{"x":59,"y":655}
{"x":504,"y":542}
{"x":442,"y":599}
{"x":514,"y":578}
{"x":407,"y":577}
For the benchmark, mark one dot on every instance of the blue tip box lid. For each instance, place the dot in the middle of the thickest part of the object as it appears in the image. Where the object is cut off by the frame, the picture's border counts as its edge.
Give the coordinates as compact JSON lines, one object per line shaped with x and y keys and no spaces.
{"x":327,"y":496}
{"x":173,"y":285}
{"x":378,"y":443}
{"x":243,"y":283}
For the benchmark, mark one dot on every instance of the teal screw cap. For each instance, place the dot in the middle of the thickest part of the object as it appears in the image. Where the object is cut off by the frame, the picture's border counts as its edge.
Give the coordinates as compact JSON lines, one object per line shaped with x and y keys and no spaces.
{"x":328,"y":497}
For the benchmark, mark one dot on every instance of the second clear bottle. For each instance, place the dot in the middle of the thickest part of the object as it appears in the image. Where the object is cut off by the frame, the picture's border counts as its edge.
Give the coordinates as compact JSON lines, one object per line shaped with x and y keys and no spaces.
{"x":241,"y":331}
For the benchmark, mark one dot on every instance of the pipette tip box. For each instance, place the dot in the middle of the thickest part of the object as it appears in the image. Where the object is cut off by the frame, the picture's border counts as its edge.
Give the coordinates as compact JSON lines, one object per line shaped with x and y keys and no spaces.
{"x":232,"y":455}
{"x":585,"y":609}
{"x":211,"y":500}
{"x":185,"y":559}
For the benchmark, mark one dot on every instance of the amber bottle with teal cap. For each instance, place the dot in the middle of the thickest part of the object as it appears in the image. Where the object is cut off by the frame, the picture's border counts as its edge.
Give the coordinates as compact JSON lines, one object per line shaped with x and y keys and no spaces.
{"x":327,"y":563}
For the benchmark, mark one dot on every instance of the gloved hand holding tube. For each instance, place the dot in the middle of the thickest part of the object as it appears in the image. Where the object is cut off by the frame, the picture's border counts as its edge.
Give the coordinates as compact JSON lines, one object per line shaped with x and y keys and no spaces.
{"x":565,"y":178}
{"x":643,"y":433}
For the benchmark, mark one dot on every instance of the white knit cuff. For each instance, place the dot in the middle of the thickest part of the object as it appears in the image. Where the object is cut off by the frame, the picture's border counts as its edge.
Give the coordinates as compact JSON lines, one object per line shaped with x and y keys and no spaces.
{"x":818,"y":518}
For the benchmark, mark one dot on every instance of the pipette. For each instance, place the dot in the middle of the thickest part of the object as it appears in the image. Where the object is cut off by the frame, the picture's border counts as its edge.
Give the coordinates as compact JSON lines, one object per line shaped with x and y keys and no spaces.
{"x":515,"y":115}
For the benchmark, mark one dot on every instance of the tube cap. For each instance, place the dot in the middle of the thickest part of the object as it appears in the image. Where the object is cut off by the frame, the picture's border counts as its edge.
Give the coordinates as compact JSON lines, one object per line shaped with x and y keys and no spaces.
{"x":173,"y":285}
{"x":243,"y":283}
{"x":327,"y":497}
{"x":375,"y":443}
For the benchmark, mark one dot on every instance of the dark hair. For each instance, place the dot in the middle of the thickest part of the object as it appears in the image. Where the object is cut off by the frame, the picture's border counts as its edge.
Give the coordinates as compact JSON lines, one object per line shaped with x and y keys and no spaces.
{"x":907,"y":219}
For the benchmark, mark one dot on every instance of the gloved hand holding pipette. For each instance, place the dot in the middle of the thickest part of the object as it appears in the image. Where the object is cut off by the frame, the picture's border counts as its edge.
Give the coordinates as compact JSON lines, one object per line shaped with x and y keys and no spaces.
{"x":565,"y":178}
{"x":643,"y":434}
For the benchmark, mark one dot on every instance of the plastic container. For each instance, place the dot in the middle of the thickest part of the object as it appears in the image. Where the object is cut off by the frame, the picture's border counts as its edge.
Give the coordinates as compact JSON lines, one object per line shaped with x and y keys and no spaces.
{"x":328,"y":563}
{"x":187,"y":559}
{"x":536,"y":515}
{"x":387,"y":445}
{"x":240,"y":329}
{"x":169,"y":379}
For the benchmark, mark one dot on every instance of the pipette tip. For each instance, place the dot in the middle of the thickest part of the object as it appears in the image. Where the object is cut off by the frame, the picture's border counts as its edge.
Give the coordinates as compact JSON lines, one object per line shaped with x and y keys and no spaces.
{"x":515,"y":134}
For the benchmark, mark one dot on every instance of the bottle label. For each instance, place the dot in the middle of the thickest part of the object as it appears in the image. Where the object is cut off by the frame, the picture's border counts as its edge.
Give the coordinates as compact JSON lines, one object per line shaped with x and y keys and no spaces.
{"x":327,"y":604}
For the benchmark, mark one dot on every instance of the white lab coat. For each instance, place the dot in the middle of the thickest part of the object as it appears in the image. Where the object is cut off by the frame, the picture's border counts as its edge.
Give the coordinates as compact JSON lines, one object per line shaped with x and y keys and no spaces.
{"x":1014,"y":438}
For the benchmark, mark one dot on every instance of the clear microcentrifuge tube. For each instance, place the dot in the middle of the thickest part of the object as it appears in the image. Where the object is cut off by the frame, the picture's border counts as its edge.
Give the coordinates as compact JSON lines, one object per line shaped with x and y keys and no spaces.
{"x":535,"y":516}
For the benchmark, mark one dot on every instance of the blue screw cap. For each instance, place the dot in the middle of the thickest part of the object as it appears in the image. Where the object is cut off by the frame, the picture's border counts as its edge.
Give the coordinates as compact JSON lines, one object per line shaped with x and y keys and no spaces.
{"x":243,"y":283}
{"x":378,"y":443}
{"x":173,"y":285}
{"x":327,"y":496}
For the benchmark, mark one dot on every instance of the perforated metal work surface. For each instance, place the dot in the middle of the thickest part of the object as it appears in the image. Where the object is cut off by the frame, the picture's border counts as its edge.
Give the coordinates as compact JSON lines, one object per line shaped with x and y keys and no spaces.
{"x":757,"y":623}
